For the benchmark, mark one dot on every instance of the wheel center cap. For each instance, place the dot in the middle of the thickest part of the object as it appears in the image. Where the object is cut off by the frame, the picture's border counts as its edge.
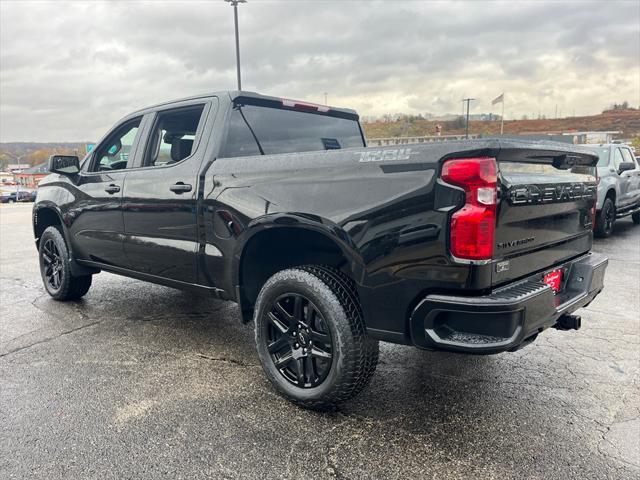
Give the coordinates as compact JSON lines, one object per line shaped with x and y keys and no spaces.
{"x":303,"y":338}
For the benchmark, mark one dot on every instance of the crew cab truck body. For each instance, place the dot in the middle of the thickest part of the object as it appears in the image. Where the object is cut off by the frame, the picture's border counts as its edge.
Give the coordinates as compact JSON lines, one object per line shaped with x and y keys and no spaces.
{"x":329,"y":246}
{"x":618,"y":186}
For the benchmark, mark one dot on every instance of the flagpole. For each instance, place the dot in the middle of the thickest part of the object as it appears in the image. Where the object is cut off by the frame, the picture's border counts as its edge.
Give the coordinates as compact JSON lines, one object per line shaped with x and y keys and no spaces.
{"x":502,"y":117}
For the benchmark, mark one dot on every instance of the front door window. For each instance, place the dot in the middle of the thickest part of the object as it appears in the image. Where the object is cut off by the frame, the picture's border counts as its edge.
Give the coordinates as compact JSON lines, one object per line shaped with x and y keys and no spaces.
{"x":114,"y":153}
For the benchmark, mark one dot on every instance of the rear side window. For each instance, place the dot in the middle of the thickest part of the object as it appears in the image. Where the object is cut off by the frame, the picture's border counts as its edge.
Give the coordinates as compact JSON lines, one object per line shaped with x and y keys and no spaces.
{"x":255,"y":130}
{"x":173,"y":135}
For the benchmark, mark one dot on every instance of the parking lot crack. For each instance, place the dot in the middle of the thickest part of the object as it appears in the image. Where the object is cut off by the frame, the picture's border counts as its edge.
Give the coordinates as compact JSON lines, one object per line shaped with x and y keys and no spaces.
{"x":48,"y":339}
{"x":231,"y":361}
{"x":617,"y":454}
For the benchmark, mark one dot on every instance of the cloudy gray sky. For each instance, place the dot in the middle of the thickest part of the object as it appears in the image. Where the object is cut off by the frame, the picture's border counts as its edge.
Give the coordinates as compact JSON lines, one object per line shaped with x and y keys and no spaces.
{"x":69,"y":70}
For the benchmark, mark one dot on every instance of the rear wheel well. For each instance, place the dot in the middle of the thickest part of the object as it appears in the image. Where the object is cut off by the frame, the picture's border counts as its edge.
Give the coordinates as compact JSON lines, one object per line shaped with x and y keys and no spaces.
{"x":277,"y":249}
{"x":44,"y":218}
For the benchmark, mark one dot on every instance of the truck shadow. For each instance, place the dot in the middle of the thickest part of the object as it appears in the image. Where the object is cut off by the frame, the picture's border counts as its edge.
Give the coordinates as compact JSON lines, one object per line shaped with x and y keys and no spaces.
{"x":453,"y":403}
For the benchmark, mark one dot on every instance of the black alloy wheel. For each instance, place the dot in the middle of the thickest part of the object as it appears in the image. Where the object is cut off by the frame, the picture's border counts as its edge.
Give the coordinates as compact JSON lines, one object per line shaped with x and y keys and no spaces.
{"x":606,"y":219}
{"x":299,"y":341}
{"x":55,"y":267}
{"x":609,"y":217}
{"x":52,"y":265}
{"x":311,"y":337}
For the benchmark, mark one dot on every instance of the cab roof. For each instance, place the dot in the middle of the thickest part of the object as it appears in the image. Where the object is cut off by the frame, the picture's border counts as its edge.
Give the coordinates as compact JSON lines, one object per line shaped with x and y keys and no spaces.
{"x":235,"y":95}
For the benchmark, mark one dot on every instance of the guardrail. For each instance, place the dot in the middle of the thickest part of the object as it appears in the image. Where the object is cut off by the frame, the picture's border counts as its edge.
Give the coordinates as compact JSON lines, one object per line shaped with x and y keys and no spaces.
{"x":381,"y":142}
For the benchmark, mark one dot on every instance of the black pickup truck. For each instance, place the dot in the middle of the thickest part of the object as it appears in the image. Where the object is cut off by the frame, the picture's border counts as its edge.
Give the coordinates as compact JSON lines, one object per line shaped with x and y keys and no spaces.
{"x":329,"y":246}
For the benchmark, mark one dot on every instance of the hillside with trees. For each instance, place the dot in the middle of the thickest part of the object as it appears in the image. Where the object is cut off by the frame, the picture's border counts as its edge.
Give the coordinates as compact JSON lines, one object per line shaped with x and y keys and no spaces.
{"x":626,"y":121}
{"x":36,"y":153}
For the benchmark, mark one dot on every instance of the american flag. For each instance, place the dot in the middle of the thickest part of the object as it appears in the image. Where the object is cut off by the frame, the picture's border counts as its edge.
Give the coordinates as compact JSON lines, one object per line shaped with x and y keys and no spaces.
{"x":499,"y":99}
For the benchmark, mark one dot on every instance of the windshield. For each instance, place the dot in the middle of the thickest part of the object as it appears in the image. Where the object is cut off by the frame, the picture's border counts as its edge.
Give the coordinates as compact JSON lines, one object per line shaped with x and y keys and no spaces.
{"x":603,"y":155}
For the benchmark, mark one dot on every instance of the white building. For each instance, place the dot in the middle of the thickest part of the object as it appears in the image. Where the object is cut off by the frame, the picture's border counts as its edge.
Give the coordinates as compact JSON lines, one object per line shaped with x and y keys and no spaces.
{"x":593,"y":137}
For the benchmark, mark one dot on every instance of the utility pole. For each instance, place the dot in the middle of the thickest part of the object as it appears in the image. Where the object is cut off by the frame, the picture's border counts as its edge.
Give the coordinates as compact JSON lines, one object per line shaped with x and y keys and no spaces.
{"x":235,"y":3}
{"x":468,"y":100}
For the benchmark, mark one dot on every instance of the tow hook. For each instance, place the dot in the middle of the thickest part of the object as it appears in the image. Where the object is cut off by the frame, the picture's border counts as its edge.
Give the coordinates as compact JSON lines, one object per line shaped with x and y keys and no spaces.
{"x":568,"y":322}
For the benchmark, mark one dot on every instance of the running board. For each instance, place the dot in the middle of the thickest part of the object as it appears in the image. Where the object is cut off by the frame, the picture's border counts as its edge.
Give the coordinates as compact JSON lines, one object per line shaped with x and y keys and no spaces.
{"x":629,"y":211}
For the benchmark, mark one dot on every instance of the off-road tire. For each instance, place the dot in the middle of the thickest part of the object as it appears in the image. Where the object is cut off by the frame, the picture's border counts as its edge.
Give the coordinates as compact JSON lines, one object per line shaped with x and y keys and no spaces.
{"x":70,"y":287}
{"x":605,"y":219}
{"x":355,"y":354}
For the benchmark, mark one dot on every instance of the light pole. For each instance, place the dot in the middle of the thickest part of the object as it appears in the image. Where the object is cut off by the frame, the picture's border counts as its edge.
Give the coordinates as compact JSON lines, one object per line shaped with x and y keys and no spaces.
{"x":235,"y":3}
{"x":468,"y":100}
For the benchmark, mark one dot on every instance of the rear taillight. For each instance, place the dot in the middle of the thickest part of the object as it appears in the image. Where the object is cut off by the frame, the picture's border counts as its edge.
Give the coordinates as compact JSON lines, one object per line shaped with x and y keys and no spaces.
{"x":473,"y":226}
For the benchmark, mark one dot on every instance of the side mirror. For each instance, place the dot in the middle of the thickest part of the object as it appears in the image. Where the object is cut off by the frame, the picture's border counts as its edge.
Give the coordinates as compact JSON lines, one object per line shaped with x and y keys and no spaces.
{"x":623,"y":167}
{"x":64,"y":164}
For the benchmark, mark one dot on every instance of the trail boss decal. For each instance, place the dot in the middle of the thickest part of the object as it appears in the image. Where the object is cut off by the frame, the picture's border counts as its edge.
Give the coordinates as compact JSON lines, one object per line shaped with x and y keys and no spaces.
{"x":387,"y":155}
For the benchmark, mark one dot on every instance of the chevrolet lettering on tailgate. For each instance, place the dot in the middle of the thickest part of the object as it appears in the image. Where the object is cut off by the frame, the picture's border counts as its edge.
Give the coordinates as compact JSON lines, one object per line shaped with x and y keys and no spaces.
{"x":566,"y":192}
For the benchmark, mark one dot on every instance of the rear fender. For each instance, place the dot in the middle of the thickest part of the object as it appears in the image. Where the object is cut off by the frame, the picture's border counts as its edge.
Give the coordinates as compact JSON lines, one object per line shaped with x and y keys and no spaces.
{"x":303,"y":221}
{"x":354,"y":266}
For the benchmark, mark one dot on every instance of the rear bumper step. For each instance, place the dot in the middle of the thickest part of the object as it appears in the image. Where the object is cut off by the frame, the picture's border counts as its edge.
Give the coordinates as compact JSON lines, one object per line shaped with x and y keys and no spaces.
{"x":511,"y":316}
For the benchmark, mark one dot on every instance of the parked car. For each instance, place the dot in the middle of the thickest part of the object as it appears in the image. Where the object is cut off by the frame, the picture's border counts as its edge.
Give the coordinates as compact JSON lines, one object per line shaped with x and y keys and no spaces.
{"x":327,"y":245}
{"x":7,"y":196}
{"x":18,"y":195}
{"x":618,"y":186}
{"x":26,"y":195}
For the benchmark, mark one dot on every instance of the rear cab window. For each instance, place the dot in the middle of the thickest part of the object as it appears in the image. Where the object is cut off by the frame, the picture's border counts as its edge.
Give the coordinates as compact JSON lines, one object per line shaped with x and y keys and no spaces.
{"x":267,"y":128}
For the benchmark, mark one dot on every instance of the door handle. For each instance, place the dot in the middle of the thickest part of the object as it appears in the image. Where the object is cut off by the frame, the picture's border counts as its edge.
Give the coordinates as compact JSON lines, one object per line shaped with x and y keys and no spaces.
{"x":180,"y":187}
{"x":111,"y":189}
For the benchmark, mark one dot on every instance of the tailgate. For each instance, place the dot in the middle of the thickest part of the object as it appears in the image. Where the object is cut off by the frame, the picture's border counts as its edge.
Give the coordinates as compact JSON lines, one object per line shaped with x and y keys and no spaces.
{"x":545,"y":210}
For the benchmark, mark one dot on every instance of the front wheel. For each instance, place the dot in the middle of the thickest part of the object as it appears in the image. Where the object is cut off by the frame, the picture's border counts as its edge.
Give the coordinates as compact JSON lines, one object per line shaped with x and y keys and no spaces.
{"x":55,"y":268}
{"x":311,"y":338}
{"x":606,"y":218}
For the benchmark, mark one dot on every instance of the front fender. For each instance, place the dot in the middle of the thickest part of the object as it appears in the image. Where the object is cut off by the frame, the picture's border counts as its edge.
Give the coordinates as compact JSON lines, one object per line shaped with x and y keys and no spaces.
{"x":607,"y":183}
{"x":45,"y":204}
{"x":41,"y":205}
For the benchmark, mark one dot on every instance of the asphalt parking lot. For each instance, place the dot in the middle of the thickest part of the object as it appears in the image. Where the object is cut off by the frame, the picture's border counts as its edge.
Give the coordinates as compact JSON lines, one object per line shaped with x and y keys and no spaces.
{"x":142,"y":381}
